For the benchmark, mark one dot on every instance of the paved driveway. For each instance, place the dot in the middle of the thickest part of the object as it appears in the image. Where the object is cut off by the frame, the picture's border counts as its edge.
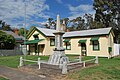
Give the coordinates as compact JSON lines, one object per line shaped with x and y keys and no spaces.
{"x":14,"y":74}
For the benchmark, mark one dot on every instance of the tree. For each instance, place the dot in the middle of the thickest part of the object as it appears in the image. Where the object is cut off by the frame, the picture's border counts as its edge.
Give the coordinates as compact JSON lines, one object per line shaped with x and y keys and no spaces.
{"x":5,"y":40}
{"x":107,"y":14}
{"x":107,"y":11}
{"x":77,"y":24}
{"x":50,"y":22}
{"x":22,"y":32}
{"x":89,"y":19}
{"x":80,"y":23}
{"x":46,"y":25}
{"x":53,"y":25}
{"x":5,"y":26}
{"x":73,"y":26}
{"x":64,"y":23}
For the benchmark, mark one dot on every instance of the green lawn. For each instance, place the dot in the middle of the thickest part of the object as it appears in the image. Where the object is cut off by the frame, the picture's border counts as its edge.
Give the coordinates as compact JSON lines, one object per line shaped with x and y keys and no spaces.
{"x":13,"y":61}
{"x":108,"y":69}
{"x":1,"y":78}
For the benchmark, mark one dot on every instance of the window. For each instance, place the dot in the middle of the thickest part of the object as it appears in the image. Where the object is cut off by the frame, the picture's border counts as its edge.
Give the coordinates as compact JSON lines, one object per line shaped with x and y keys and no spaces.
{"x":36,"y":37}
{"x":68,"y":46}
{"x":96,"y":46}
{"x":52,"y":42}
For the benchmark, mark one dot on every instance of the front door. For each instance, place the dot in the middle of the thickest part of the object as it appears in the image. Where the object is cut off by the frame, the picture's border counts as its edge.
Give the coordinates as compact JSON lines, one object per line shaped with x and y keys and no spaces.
{"x":83,"y":49}
{"x":41,"y":48}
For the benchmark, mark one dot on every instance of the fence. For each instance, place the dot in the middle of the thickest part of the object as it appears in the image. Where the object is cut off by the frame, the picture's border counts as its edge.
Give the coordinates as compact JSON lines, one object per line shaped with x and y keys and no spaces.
{"x":95,"y":59}
{"x":10,"y":52}
{"x":80,"y":63}
{"x":22,"y":60}
{"x":64,"y":66}
{"x":116,"y":49}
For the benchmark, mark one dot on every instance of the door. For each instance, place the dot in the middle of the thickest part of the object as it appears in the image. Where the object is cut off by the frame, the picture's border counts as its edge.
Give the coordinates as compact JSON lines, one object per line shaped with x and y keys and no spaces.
{"x":83,"y":49}
{"x":41,"y":48}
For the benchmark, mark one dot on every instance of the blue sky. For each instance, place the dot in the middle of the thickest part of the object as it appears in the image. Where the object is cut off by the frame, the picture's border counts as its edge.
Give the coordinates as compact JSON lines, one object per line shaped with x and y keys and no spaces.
{"x":38,"y":11}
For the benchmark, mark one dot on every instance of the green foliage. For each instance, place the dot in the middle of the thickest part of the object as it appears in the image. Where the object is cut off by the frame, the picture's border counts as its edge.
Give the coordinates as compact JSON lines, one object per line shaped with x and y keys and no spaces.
{"x":106,"y":11}
{"x":119,"y":38}
{"x":108,"y":15}
{"x":22,"y":32}
{"x":78,"y":24}
{"x":90,"y":23}
{"x":5,"y":26}
{"x":5,"y":40}
{"x":51,"y":24}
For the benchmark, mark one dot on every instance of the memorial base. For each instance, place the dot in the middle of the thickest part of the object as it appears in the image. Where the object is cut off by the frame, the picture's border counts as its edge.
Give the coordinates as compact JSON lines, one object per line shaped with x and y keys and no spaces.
{"x":58,"y":57}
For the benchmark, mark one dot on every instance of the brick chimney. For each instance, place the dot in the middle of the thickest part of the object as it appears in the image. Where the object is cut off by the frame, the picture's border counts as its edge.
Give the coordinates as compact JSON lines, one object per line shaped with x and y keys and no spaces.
{"x":67,"y":30}
{"x":16,"y":31}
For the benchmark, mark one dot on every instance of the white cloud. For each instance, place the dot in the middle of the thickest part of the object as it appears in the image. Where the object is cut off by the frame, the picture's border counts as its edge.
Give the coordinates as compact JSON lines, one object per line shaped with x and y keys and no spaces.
{"x":80,"y":10}
{"x":59,"y":1}
{"x":14,"y":10}
{"x":83,"y":8}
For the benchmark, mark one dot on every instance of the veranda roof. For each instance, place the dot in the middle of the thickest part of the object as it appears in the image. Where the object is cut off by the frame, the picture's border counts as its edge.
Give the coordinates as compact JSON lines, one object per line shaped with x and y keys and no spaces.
{"x":82,"y":41}
{"x":66,"y":40}
{"x":94,"y":39}
{"x":33,"y":41}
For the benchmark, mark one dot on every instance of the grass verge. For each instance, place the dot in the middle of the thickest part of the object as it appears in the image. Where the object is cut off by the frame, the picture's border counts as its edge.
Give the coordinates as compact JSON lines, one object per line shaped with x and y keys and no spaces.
{"x":108,"y":69}
{"x":13,"y":61}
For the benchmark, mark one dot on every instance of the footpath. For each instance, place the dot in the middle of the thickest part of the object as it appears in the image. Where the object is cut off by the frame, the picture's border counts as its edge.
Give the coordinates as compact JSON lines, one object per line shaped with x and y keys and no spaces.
{"x":14,"y":74}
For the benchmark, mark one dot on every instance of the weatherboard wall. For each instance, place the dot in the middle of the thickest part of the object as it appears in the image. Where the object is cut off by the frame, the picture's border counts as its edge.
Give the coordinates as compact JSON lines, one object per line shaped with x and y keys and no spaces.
{"x":76,"y":48}
{"x":47,"y":50}
{"x":105,"y":41}
{"x":111,"y":43}
{"x":103,"y":52}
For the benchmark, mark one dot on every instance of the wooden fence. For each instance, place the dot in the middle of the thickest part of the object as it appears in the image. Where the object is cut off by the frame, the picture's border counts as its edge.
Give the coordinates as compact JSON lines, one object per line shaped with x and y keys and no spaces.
{"x":64,"y":66}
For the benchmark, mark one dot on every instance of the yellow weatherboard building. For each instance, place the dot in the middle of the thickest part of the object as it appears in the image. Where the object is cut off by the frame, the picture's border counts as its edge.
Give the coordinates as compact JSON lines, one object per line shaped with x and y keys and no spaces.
{"x":93,"y":42}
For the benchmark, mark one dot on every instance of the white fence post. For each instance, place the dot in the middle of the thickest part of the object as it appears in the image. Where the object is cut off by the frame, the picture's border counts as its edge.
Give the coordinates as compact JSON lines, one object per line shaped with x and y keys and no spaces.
{"x":39,"y":62}
{"x":96,"y":60}
{"x":84,"y":64}
{"x":80,"y":58}
{"x":64,"y":68}
{"x":21,"y":61}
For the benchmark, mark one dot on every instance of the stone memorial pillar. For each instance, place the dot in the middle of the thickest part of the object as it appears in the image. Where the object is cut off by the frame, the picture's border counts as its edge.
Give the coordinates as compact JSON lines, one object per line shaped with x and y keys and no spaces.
{"x":59,"y":51}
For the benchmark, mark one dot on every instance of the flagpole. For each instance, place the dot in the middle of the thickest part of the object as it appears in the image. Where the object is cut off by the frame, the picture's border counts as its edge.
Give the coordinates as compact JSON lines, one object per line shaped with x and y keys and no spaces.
{"x":25,"y":46}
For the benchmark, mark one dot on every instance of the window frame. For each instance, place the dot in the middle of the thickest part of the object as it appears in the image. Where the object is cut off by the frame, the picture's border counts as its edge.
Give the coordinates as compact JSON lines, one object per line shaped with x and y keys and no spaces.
{"x":35,"y":37}
{"x":51,"y":42}
{"x":67,"y":44}
{"x":98,"y":45}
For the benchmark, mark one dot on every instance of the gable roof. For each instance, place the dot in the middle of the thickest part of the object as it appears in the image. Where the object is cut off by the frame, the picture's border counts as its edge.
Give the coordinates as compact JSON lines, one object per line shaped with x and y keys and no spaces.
{"x":91,"y":32}
{"x":14,"y":35}
{"x":47,"y":32}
